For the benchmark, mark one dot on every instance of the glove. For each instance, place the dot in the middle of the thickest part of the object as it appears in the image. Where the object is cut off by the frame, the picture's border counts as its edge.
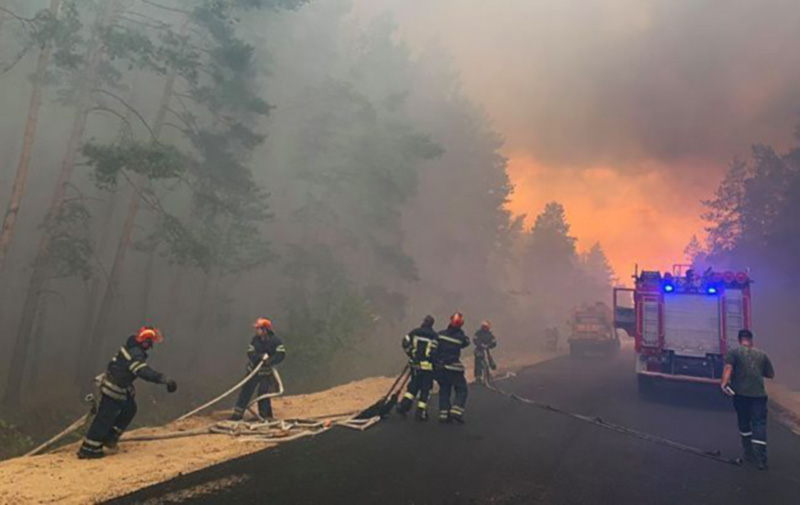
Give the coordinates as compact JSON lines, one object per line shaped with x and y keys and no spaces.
{"x":265,"y":357}
{"x":172,"y":386}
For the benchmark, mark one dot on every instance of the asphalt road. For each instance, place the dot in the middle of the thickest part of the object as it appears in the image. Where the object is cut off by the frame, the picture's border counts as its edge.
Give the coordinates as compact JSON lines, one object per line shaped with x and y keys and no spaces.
{"x":511,"y":453}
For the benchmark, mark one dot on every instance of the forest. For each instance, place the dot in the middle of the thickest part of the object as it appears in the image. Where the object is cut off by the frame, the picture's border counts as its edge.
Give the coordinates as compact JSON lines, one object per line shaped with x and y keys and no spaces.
{"x":752,"y":225}
{"x":196,"y":164}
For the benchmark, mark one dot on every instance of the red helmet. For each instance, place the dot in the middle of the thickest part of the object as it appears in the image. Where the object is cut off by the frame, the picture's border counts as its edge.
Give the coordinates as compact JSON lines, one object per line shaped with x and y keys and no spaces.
{"x":149,"y":334}
{"x":486,"y":324}
{"x":457,"y":320}
{"x":262,"y":323}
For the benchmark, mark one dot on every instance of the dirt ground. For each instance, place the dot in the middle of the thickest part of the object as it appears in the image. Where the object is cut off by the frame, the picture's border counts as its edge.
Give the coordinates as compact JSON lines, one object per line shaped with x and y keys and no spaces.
{"x":59,"y":477}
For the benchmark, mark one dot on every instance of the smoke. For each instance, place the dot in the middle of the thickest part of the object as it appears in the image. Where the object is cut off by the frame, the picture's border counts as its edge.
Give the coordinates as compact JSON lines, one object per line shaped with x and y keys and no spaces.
{"x":658,"y":95}
{"x":625,"y":82}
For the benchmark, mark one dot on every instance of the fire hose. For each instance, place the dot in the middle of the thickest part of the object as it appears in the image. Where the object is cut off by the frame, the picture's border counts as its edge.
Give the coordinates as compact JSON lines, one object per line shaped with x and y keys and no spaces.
{"x":260,"y":431}
{"x":279,"y":392}
{"x":602,"y":423}
{"x":227,"y":393}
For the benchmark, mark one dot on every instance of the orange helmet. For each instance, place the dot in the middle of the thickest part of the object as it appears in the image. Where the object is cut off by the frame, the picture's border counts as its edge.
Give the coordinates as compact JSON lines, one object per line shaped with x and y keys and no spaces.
{"x":457,"y":320}
{"x":263,"y":323}
{"x":148,"y":333}
{"x":486,"y":324}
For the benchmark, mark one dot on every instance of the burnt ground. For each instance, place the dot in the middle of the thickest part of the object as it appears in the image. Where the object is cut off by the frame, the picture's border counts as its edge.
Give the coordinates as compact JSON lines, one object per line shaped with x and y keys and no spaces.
{"x":511,"y":453}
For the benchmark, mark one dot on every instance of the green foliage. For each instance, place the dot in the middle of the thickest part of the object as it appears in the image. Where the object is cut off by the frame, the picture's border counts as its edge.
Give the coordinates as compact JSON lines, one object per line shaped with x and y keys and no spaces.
{"x":752,"y":218}
{"x":132,"y":45}
{"x":183,"y":246}
{"x":324,"y":314}
{"x":598,"y":269}
{"x":551,"y":245}
{"x":152,"y":160}
{"x":66,"y":36}
{"x":13,"y":442}
{"x":70,"y":247}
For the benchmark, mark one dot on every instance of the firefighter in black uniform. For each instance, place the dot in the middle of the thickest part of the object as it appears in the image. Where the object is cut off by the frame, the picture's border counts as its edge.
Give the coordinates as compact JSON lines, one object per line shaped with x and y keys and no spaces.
{"x":267,"y":347}
{"x":484,"y":341}
{"x":419,"y":345}
{"x":117,"y":406}
{"x":449,"y":370}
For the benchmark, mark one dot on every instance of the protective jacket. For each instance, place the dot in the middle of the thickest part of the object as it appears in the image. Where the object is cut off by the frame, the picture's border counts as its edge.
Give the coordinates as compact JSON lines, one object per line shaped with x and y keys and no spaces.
{"x":484,"y":339}
{"x":271,"y":346}
{"x":129,"y":363}
{"x":420,"y":345}
{"x":448,"y":351}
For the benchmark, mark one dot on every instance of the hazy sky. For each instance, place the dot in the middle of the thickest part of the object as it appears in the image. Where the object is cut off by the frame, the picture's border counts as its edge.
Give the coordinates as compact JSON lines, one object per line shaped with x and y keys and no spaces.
{"x":627,"y":111}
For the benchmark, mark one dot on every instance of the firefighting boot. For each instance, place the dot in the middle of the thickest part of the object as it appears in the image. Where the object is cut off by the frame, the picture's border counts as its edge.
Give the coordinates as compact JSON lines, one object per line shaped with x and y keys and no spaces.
{"x":747,"y":450}
{"x":457,"y":415}
{"x":422,"y":412}
{"x":237,"y":415}
{"x":112,"y":441}
{"x":88,"y":453}
{"x":444,"y":416}
{"x":760,"y":452}
{"x":405,"y":404}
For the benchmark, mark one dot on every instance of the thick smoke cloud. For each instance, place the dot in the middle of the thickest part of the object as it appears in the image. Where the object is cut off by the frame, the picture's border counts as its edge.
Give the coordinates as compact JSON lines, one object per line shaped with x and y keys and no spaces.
{"x":622,"y":82}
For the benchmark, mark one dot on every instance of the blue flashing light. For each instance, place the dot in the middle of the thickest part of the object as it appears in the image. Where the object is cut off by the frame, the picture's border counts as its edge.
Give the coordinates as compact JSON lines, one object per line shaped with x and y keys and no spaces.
{"x":712,"y":290}
{"x":669,"y":288}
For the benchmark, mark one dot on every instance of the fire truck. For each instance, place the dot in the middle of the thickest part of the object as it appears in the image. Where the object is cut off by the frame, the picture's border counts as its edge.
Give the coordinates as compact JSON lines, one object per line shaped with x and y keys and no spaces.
{"x":683,"y":323}
{"x":591,"y":330}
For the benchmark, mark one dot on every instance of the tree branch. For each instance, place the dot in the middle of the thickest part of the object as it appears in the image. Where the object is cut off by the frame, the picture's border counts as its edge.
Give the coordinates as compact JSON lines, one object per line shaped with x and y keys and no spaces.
{"x":17,"y":59}
{"x":130,"y":108}
{"x":166,"y":7}
{"x":16,"y":16}
{"x":115,"y":113}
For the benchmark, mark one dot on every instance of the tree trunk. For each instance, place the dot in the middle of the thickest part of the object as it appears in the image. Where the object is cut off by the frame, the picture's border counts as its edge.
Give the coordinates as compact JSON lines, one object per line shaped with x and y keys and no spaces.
{"x":94,"y":293}
{"x":92,"y":352}
{"x":147,"y":286}
{"x":38,"y":281}
{"x":38,"y":343}
{"x":104,"y":312}
{"x":21,"y":180}
{"x":204,"y":311}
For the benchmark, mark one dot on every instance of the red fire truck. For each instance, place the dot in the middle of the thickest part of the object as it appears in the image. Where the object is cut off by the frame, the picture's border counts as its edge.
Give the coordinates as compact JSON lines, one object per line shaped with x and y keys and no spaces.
{"x":683,"y":323}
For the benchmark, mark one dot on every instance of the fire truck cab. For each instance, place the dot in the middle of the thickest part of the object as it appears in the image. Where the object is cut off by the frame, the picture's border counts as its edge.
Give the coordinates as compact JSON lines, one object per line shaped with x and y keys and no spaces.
{"x":684,"y":323}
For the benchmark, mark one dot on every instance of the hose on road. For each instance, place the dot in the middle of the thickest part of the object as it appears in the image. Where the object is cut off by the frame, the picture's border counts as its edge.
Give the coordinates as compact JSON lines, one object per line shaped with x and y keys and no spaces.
{"x":602,"y":423}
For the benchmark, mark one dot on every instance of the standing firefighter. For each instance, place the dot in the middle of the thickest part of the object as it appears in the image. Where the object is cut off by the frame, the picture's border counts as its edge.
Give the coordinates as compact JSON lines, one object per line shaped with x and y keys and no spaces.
{"x":419,"y":345}
{"x":265,"y":347}
{"x":117,"y":406}
{"x":484,"y":341}
{"x":450,"y":370}
{"x":743,"y":378}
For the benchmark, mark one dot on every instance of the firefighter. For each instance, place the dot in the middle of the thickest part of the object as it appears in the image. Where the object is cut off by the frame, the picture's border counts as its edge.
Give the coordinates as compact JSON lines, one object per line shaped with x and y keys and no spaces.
{"x":419,"y":345}
{"x":265,"y":347}
{"x":117,"y":406}
{"x":552,"y":336}
{"x":484,"y":341}
{"x":743,"y":379}
{"x":449,"y":370}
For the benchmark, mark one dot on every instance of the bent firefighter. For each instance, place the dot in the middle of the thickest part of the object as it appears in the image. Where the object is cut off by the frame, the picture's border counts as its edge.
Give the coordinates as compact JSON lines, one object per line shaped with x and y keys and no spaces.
{"x":117,"y":406}
{"x":450,"y":371}
{"x":419,"y":345}
{"x":266,"y":349}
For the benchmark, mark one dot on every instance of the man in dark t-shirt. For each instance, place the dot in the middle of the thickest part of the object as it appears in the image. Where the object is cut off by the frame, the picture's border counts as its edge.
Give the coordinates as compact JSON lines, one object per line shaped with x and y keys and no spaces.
{"x":743,"y":379}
